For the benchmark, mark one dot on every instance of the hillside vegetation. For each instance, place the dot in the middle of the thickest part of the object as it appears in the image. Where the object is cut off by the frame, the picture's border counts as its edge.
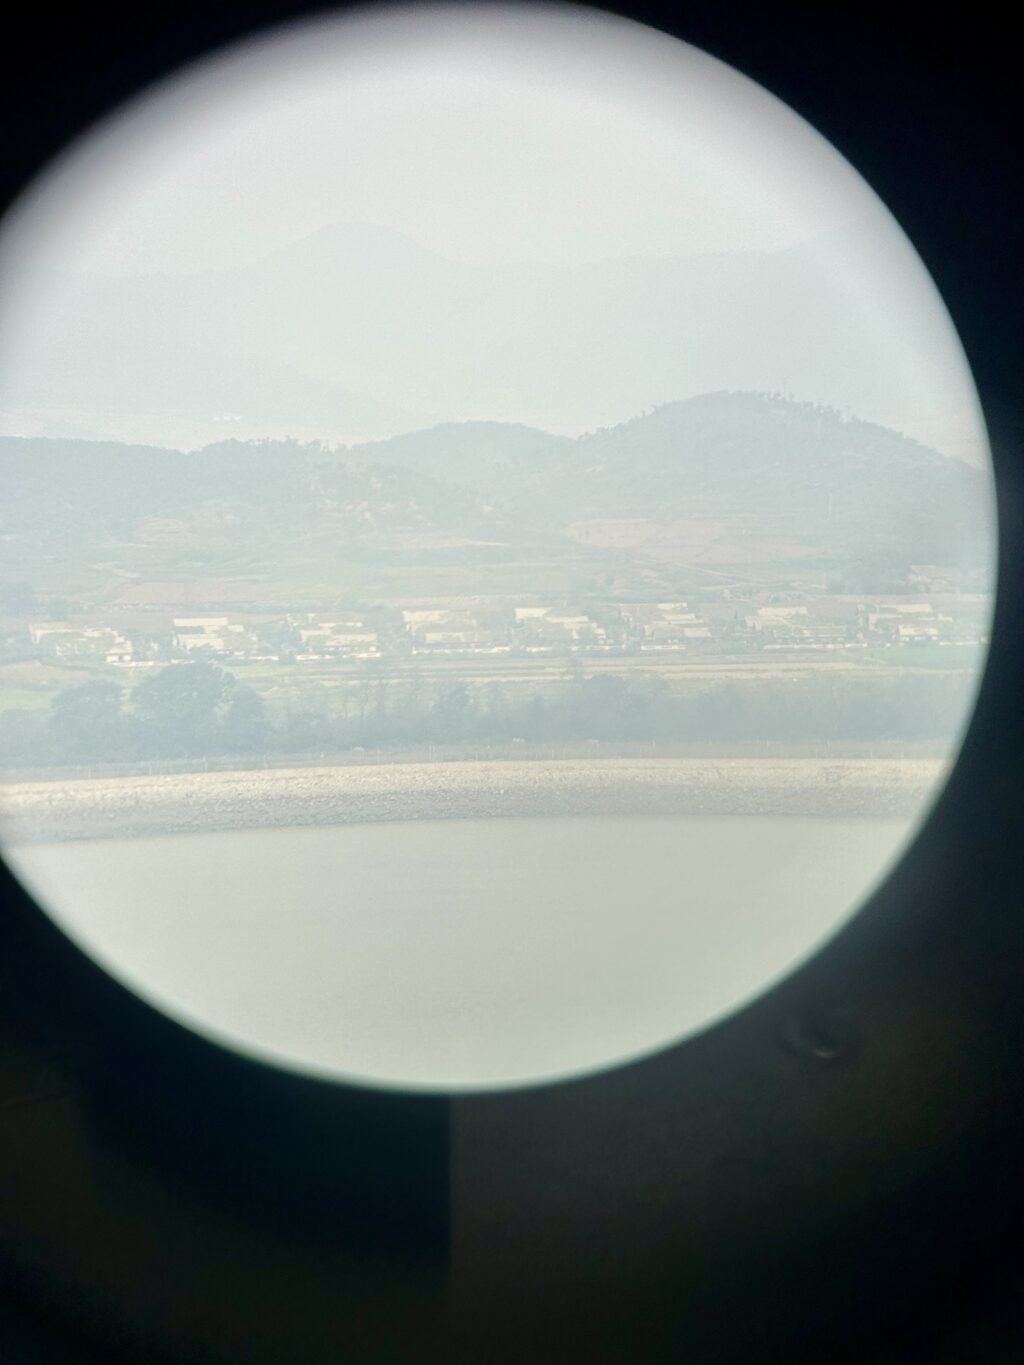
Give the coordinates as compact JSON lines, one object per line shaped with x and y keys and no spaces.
{"x":761,"y":480}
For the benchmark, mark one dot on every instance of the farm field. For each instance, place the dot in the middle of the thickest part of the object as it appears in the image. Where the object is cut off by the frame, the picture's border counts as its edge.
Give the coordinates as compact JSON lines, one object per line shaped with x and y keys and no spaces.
{"x":31,"y":685}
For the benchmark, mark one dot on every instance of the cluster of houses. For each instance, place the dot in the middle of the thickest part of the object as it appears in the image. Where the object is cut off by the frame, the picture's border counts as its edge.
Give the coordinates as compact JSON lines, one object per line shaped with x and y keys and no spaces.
{"x":218,"y":634}
{"x":665,"y":626}
{"x":722,"y":625}
{"x":88,"y":644}
{"x":538,"y":629}
{"x":787,"y":626}
{"x":351,"y":639}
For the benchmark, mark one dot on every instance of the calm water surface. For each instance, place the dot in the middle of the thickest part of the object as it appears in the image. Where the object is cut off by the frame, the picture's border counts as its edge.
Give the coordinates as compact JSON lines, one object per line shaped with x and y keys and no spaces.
{"x":461,"y":953}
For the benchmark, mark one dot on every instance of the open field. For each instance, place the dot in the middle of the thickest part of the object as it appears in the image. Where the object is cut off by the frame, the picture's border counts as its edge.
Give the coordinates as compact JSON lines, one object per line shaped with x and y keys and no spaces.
{"x":929,"y":656}
{"x":164,"y":804}
{"x":32,"y":685}
{"x":159,"y":578}
{"x":24,"y":698}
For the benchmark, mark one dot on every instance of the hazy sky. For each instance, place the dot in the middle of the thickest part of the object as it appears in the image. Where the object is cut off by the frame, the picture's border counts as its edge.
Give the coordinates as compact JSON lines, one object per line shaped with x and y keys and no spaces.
{"x":549,"y":134}
{"x":544,"y":137}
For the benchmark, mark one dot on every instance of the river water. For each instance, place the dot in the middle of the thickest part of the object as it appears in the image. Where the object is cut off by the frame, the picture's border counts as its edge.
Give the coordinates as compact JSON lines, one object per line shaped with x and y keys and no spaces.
{"x":460,"y":953}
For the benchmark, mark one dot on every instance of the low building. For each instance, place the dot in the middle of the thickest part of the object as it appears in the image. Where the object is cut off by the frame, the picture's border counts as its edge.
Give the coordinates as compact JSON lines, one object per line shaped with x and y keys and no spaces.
{"x":62,"y":640}
{"x":347,"y":639}
{"x":213,"y":633}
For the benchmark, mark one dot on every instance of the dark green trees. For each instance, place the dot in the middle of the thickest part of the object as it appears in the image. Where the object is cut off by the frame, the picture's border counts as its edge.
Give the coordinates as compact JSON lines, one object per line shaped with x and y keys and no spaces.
{"x":88,"y":722}
{"x":196,"y":708}
{"x":186,"y":710}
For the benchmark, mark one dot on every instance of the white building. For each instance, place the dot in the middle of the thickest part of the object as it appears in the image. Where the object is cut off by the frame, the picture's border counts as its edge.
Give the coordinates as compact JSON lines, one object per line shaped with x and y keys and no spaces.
{"x":205,"y":632}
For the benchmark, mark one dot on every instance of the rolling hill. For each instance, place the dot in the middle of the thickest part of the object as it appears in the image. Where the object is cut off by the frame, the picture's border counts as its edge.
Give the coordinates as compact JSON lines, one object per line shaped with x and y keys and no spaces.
{"x":755,"y":479}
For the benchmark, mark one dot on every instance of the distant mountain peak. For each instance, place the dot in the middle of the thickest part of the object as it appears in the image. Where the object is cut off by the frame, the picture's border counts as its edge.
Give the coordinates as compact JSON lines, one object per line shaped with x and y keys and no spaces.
{"x":358,"y":239}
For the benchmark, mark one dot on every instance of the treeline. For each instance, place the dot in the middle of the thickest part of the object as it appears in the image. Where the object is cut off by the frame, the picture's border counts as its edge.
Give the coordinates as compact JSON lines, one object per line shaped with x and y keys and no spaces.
{"x":197,"y":709}
{"x":182,"y":711}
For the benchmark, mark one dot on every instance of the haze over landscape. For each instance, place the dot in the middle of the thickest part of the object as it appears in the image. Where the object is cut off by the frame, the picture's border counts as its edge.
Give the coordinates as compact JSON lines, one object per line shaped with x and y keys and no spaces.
{"x":505,"y":413}
{"x":460,"y":215}
{"x":359,"y":332}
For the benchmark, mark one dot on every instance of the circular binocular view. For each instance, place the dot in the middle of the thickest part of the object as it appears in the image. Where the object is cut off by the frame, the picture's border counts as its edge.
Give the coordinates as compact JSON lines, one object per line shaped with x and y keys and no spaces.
{"x":496,"y":544}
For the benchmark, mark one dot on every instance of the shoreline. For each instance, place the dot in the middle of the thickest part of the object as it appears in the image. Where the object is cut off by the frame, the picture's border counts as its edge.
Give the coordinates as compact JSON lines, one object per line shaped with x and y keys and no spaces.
{"x":190,"y":803}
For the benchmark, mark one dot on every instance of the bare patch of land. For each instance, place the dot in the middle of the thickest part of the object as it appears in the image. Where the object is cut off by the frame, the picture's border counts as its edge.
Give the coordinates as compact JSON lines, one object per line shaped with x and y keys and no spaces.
{"x":688,"y":541}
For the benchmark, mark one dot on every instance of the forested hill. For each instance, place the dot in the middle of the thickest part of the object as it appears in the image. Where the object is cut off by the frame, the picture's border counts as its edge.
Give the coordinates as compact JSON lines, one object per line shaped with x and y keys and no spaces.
{"x":766,"y":466}
{"x":760,"y":465}
{"x":98,"y":491}
{"x":750,"y":467}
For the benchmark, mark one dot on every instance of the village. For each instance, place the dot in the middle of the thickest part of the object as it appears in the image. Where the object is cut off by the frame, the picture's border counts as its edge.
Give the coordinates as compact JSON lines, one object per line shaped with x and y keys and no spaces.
{"x":722,"y":625}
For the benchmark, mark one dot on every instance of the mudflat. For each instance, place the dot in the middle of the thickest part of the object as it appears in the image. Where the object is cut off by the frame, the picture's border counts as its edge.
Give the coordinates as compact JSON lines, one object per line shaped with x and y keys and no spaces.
{"x":88,"y":808}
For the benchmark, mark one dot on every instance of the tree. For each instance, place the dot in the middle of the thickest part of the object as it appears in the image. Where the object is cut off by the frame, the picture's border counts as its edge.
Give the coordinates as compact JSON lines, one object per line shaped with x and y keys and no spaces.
{"x":180,"y":710}
{"x":450,"y":713}
{"x":311,"y":728}
{"x":87,"y":721}
{"x":280,"y":637}
{"x":245,"y":727}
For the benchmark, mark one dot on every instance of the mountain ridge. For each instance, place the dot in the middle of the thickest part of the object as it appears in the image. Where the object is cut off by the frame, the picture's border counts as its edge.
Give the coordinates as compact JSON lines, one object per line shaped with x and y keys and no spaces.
{"x":358,"y":333}
{"x":757,"y":474}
